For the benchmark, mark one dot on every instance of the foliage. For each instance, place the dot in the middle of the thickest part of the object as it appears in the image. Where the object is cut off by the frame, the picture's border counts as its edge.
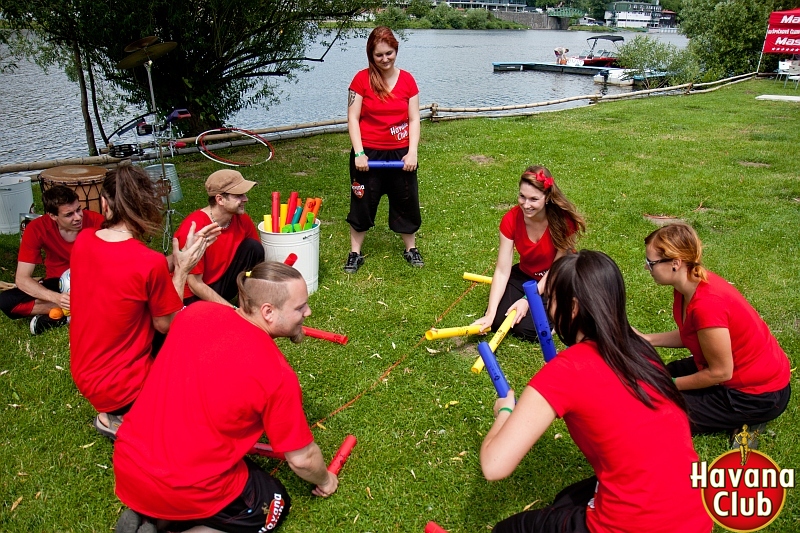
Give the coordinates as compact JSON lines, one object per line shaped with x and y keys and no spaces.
{"x":419,"y":8}
{"x":393,"y":17}
{"x":645,"y":55}
{"x":476,"y":19}
{"x":726,"y":37}
{"x":227,"y":52}
{"x":717,"y":160}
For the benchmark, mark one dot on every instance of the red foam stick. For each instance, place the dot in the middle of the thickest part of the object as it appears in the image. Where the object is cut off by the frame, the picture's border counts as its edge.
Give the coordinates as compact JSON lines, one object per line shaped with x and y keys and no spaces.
{"x":265,"y":450}
{"x":324,"y":335}
{"x":276,"y":212}
{"x":341,"y":455}
{"x":290,"y":260}
{"x":433,"y":527}
{"x":291,"y":205}
{"x":180,"y":145}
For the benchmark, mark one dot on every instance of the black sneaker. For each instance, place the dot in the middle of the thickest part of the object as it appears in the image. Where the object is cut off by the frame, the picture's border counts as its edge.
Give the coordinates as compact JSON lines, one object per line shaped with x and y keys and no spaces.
{"x":414,"y":258}
{"x":354,"y":262}
{"x":132,"y":522}
{"x":41,"y":323}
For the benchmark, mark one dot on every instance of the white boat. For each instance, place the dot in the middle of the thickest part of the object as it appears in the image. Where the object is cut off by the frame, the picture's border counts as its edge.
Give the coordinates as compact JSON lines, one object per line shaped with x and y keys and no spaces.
{"x":614,"y":76}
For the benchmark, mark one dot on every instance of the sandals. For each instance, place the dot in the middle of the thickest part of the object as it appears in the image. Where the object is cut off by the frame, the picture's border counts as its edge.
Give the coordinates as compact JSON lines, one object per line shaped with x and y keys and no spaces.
{"x":110,"y":431}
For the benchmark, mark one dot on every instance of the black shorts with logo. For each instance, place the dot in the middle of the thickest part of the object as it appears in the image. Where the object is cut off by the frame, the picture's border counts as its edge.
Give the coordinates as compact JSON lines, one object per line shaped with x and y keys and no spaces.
{"x":367,"y":189}
{"x":261,"y":507}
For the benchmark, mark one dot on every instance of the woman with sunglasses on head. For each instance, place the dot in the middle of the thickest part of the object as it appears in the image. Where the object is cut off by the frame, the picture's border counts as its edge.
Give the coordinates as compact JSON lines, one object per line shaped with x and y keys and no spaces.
{"x":542,"y":227}
{"x":737,"y":374}
{"x":620,"y":406}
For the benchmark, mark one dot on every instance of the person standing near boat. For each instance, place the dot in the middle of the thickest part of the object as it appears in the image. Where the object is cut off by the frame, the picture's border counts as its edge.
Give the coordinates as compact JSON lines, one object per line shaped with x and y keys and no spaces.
{"x":384,"y":125}
{"x":542,"y":227}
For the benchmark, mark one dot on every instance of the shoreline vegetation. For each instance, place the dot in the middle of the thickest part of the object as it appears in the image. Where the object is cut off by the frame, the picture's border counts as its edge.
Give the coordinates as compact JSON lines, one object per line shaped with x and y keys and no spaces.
{"x":716,"y":160}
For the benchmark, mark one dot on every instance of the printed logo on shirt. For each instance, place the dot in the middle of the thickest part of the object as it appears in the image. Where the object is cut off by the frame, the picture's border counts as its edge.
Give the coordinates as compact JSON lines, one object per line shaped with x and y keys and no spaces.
{"x":358,"y":189}
{"x":399,"y":132}
{"x":273,"y":513}
{"x":743,"y":490}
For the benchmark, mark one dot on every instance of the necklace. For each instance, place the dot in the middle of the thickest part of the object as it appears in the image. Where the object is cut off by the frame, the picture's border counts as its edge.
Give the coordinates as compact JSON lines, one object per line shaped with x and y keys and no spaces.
{"x":121,"y":230}
{"x":211,"y":216}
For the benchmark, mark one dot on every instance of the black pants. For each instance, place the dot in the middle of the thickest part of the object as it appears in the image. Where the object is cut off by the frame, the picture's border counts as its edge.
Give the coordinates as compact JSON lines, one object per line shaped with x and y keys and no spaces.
{"x":249,"y":253}
{"x":719,"y":408}
{"x":13,"y":297}
{"x":567,"y":513}
{"x":526,"y":329}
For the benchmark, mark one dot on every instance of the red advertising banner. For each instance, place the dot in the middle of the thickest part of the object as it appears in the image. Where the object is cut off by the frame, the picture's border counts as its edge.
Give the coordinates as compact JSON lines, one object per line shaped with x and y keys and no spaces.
{"x":783,"y":33}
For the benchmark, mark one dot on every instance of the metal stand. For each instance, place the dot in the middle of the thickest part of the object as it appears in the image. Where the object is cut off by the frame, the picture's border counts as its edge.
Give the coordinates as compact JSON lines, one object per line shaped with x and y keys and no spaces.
{"x":166,"y":240}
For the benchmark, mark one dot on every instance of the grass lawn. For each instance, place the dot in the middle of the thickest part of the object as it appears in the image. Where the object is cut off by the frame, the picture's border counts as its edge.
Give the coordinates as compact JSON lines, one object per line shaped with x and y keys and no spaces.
{"x":722,"y":161}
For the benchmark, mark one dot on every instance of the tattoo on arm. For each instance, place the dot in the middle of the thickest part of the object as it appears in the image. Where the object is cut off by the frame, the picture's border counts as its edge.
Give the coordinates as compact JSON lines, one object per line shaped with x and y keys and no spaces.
{"x":351,"y":97}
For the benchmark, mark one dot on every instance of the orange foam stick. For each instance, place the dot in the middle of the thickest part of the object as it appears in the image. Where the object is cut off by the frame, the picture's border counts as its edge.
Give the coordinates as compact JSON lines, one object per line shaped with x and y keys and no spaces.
{"x":341,"y":455}
{"x":310,"y":202}
{"x":316,"y":207}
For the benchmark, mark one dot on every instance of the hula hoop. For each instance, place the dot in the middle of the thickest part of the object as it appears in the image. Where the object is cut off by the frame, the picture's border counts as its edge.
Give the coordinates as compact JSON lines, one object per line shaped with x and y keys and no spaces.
{"x":200,"y":142}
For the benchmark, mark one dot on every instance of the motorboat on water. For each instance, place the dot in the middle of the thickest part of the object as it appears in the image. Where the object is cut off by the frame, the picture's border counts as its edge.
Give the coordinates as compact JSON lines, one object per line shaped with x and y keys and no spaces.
{"x":614,"y":76}
{"x":597,"y":57}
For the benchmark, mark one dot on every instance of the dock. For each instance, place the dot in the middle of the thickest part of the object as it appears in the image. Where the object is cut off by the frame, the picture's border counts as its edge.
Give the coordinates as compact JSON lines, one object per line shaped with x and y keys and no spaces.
{"x":546,"y":67}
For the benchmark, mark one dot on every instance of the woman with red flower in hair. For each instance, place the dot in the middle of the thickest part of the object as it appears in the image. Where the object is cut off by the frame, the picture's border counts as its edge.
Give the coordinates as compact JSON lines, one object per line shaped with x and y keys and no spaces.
{"x":542,"y":227}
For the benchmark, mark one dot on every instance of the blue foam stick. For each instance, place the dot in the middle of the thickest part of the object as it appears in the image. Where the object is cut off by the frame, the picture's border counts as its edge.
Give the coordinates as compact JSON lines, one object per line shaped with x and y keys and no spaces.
{"x":498,"y":379}
{"x":386,"y":164}
{"x":540,"y":320}
{"x":296,"y":215}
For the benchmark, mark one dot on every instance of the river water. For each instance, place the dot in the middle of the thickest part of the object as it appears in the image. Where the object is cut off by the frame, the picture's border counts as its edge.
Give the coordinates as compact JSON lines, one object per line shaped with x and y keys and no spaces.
{"x":42,"y":118}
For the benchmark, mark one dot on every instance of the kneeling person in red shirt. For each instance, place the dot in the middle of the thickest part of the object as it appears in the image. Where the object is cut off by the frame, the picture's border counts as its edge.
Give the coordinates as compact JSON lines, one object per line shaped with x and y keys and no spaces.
{"x":179,"y":459}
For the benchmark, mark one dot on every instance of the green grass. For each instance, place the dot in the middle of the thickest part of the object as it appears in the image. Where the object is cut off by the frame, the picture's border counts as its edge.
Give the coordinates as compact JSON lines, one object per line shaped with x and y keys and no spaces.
{"x":722,"y":161}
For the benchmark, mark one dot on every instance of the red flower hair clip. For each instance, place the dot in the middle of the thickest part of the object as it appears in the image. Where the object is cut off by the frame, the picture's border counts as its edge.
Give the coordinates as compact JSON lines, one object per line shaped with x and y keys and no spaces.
{"x":540,"y":176}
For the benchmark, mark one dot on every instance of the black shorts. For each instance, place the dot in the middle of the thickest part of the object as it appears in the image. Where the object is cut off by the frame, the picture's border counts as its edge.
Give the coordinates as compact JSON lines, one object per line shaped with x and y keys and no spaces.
{"x":262,"y":507}
{"x":567,"y":513}
{"x":526,"y":329}
{"x":718,"y":408}
{"x":13,"y":297}
{"x":367,"y":189}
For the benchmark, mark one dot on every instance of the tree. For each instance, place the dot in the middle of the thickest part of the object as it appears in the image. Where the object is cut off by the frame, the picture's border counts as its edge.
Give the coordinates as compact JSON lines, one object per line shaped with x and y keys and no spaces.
{"x":227,"y":53}
{"x":476,"y":19}
{"x":419,"y":8}
{"x":393,"y":17}
{"x":726,"y":37}
{"x":644,"y":55}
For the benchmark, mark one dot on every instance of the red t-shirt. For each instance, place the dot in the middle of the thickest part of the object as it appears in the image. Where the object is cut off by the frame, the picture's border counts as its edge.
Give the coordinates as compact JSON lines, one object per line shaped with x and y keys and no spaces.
{"x":116,"y":288}
{"x":759,"y":363}
{"x":642,"y":457}
{"x":218,"y":256}
{"x":42,"y":234}
{"x":535,"y":258}
{"x":209,"y":398}
{"x":384,"y":123}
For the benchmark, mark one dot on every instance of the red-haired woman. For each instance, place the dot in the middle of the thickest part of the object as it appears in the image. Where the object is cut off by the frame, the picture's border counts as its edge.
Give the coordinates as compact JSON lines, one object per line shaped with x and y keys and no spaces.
{"x":383,"y":122}
{"x":542,"y":227}
{"x":737,"y":374}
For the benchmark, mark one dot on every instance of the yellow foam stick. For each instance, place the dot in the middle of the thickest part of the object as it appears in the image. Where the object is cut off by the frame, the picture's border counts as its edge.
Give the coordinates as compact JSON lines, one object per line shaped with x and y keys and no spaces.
{"x":497,"y":339}
{"x":444,"y":333}
{"x":477,"y":277}
{"x":284,"y":208}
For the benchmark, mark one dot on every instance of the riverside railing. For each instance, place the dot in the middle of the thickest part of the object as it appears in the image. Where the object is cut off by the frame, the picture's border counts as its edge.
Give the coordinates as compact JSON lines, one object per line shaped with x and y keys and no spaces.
{"x":433,"y":112}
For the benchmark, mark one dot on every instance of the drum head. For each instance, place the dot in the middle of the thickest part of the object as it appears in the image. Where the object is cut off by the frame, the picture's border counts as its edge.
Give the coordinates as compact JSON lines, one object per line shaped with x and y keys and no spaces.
{"x":74,"y":173}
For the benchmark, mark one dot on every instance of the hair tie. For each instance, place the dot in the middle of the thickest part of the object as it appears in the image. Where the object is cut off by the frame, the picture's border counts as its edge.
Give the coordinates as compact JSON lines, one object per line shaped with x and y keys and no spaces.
{"x":540,"y":176}
{"x":247,"y":274}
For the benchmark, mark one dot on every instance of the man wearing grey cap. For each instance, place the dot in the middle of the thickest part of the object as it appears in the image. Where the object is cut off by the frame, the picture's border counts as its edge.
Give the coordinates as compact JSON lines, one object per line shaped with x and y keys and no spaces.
{"x":237,"y":249}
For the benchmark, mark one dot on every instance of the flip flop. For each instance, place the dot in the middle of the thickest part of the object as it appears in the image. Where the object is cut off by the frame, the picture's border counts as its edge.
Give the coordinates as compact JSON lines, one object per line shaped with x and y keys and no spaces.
{"x":109,"y":431}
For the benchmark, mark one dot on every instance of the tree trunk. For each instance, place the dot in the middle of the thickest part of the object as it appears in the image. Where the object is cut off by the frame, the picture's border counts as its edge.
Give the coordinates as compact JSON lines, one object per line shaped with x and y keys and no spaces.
{"x":87,"y":119}
{"x":94,"y":102}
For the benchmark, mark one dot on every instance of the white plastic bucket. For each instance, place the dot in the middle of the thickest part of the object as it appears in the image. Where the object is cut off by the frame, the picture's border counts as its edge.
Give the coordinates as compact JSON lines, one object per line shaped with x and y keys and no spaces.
{"x":16,"y":197}
{"x":304,"y":244}
{"x":154,"y":171}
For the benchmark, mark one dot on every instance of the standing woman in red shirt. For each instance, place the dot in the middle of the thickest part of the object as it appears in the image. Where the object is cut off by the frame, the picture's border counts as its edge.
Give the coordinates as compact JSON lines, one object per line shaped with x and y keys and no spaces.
{"x":122,"y":293}
{"x":621,"y":408}
{"x":383,"y":122}
{"x":737,"y":374}
{"x":542,"y":227}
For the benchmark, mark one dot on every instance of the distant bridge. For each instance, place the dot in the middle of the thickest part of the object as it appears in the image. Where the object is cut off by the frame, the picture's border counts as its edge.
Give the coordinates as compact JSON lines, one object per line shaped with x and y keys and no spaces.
{"x":569,"y":12}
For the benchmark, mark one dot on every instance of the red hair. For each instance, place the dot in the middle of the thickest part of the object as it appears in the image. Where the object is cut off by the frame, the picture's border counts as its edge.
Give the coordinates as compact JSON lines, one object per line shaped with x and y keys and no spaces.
{"x":381,"y":34}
